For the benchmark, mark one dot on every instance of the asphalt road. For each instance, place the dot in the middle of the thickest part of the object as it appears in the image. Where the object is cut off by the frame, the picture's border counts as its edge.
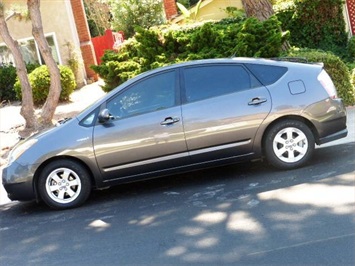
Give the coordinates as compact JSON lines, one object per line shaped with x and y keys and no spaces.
{"x":244,"y":214}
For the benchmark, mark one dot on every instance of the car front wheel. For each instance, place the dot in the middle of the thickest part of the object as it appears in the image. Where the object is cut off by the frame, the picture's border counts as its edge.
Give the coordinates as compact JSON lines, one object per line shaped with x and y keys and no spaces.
{"x":289,"y":144}
{"x":64,"y":184}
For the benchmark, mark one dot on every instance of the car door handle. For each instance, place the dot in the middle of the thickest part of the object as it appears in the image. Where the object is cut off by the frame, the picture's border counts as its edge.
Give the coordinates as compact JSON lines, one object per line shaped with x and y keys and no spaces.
{"x":257,"y":101}
{"x":169,"y":121}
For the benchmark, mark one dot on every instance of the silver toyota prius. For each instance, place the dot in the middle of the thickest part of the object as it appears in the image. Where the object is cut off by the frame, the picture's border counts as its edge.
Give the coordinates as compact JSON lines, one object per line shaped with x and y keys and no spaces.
{"x":178,"y":118}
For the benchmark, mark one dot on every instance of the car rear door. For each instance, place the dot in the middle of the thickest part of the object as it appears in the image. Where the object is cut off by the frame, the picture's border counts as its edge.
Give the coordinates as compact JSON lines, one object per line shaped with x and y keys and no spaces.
{"x":223,"y":108}
{"x":146,"y":133}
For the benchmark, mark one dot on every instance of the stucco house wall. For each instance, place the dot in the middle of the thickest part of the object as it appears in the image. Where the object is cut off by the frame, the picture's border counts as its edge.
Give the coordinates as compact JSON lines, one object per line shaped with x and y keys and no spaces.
{"x":58,"y":24}
{"x":211,"y":10}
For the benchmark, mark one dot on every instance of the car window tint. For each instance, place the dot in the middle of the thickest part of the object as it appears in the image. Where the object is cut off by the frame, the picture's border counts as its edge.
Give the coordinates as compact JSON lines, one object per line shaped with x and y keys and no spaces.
{"x":267,"y":74}
{"x":211,"y":81}
{"x":151,"y":94}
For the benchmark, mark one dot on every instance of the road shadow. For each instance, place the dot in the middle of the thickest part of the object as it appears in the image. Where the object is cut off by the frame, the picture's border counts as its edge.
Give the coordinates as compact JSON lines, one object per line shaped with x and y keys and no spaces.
{"x":246,"y":214}
{"x":327,"y":159}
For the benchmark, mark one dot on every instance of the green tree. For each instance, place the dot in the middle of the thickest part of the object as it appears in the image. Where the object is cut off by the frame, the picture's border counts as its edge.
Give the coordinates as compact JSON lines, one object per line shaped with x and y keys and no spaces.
{"x":98,"y":16}
{"x":317,"y":24}
{"x":128,"y":14}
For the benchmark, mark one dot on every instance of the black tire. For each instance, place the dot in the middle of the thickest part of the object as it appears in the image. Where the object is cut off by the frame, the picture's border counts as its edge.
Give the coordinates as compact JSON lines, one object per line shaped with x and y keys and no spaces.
{"x":64,"y":184}
{"x":289,"y":144}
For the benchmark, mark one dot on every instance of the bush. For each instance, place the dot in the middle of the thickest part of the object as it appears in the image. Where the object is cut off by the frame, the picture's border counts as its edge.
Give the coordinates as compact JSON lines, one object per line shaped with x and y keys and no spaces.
{"x":317,"y":24}
{"x":353,"y":77}
{"x":162,"y":46}
{"x":40,"y":83}
{"x":8,"y":77}
{"x":7,"y":80}
{"x":31,"y":66}
{"x":115,"y":70}
{"x":335,"y":67}
{"x":351,"y":49}
{"x":127,"y":14}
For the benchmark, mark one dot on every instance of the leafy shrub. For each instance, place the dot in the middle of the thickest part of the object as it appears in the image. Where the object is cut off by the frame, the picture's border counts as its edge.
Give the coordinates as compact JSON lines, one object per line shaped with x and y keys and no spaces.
{"x":40,"y":83}
{"x":7,"y":79}
{"x":162,"y":46}
{"x":260,"y":39}
{"x":127,"y":14}
{"x":335,"y":67}
{"x":317,"y":24}
{"x":115,"y":70}
{"x":353,"y":77}
{"x":351,"y":49}
{"x":31,"y":66}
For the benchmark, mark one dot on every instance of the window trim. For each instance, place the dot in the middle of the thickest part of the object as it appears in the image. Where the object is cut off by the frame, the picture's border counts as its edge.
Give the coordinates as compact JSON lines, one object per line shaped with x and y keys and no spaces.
{"x":38,"y":54}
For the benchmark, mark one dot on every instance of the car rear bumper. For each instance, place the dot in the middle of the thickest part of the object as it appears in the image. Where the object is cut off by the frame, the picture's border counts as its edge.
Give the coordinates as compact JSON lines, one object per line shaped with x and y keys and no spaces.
{"x":338,"y":135}
{"x":329,"y":118}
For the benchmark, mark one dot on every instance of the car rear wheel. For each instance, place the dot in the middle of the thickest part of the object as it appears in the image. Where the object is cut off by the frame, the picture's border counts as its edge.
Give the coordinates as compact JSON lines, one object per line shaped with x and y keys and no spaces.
{"x":64,"y":184}
{"x":289,"y":144}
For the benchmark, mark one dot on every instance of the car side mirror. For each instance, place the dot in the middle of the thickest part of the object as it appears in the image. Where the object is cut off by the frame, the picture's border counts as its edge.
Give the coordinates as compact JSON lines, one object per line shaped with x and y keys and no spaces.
{"x":104,"y":116}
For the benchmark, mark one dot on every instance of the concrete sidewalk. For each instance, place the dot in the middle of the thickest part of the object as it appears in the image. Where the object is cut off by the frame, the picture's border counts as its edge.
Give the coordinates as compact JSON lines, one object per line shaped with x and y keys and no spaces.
{"x":11,"y":121}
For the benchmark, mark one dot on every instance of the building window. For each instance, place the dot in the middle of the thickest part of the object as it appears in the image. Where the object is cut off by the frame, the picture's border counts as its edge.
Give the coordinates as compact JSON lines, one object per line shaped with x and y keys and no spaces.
{"x":30,"y":51}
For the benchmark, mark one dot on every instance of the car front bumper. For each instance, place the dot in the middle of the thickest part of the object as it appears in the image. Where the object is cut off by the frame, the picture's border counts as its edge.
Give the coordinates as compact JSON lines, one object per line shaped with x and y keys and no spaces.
{"x":18,"y":182}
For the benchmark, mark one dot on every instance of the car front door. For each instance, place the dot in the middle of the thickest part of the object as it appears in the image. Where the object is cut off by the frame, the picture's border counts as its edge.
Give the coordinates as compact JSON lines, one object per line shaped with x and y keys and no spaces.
{"x":223,"y":108}
{"x":145,"y":132}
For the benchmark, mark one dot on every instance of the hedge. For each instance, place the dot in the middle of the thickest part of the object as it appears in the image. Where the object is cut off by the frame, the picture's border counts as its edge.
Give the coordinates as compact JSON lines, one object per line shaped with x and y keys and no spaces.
{"x":335,"y":67}
{"x":40,"y":83}
{"x":162,"y":46}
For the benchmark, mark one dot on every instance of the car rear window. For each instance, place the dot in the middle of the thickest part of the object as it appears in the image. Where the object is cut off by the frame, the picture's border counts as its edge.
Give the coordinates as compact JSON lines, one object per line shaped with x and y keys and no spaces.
{"x":267,"y":74}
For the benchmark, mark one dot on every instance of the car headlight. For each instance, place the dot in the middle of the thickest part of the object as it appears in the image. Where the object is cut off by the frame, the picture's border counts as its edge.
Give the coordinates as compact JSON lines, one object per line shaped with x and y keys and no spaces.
{"x":18,"y":150}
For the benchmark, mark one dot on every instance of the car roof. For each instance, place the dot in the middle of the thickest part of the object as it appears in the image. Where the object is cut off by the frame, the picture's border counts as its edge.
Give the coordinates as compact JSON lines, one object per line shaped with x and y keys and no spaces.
{"x":282,"y":62}
{"x":233,"y":60}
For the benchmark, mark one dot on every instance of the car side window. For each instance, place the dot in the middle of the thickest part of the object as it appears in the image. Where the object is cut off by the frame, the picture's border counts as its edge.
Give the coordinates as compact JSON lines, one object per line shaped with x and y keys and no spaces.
{"x":153,"y":93}
{"x":267,"y":74}
{"x":211,"y":81}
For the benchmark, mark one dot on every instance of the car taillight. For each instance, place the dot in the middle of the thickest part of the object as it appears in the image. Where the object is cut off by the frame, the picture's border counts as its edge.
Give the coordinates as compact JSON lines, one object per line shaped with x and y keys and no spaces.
{"x":327,"y":84}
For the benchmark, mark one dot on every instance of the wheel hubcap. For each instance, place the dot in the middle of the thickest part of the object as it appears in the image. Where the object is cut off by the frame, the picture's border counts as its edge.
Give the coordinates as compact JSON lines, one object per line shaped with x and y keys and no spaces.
{"x":290,"y":145}
{"x":63,"y":185}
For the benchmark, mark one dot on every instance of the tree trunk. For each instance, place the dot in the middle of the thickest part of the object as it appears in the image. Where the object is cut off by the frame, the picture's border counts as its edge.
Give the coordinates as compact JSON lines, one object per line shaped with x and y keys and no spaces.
{"x":55,"y":88}
{"x":27,"y":107}
{"x":261,"y":9}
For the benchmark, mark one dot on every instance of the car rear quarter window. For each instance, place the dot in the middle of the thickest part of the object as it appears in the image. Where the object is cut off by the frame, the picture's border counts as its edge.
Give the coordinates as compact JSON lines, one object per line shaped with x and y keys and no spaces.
{"x":267,"y":74}
{"x":203,"y":82}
